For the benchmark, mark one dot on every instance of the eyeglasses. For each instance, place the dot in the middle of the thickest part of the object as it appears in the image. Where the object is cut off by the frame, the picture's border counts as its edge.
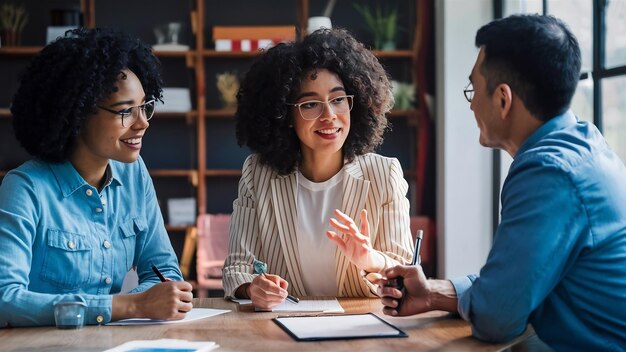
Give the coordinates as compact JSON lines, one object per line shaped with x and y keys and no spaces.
{"x":131,"y":115}
{"x":312,"y":109}
{"x":468,"y":91}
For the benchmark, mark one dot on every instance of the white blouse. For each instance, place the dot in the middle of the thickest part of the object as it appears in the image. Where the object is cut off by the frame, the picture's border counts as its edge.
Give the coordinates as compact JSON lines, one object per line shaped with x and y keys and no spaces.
{"x":316,"y":203}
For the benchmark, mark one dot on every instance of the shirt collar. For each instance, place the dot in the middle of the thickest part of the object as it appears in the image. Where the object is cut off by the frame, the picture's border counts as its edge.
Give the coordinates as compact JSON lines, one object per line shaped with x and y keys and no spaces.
{"x":109,"y":179}
{"x":556,"y":123}
{"x":70,"y":180}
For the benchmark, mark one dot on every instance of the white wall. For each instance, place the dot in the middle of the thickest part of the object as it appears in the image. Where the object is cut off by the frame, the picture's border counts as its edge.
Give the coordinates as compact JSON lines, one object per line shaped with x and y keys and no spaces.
{"x":463,"y":166}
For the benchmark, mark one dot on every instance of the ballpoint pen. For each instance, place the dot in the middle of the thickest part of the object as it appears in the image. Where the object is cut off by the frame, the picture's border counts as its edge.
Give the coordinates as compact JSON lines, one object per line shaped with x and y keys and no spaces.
{"x":416,"y":260}
{"x":158,"y":273}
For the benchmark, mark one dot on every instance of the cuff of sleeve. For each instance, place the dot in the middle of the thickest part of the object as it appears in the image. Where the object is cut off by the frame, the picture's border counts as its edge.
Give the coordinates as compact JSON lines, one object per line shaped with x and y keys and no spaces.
{"x":462,"y":286}
{"x":231,"y":283}
{"x":387,"y":263}
{"x":99,"y":310}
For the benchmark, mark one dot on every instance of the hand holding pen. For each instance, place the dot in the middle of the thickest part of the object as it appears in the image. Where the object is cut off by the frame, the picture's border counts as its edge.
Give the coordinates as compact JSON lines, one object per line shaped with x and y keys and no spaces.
{"x":416,"y":260}
{"x":157,"y":303}
{"x":290,"y":298}
{"x":405,"y":289}
{"x":266,"y":290}
{"x":158,"y":273}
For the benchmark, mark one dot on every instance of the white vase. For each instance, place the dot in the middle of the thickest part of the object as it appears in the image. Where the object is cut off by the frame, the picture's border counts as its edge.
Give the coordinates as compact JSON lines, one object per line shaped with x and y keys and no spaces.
{"x":318,"y":22}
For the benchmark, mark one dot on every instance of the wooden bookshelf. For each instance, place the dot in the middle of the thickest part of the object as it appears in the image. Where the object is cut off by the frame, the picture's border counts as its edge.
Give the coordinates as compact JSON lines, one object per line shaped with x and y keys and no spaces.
{"x":230,"y":54}
{"x":393,"y":54}
{"x":172,"y":173}
{"x":20,"y":50}
{"x":190,"y":116}
{"x":176,"y":228}
{"x":382,"y":54}
{"x":402,"y":113}
{"x":181,"y":54}
{"x":222,"y":173}
{"x":191,"y":174}
{"x":210,"y":129}
{"x":220,"y":113}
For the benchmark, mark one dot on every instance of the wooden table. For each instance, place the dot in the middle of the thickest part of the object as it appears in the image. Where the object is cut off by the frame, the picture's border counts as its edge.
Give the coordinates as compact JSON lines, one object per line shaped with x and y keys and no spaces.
{"x":246,"y":330}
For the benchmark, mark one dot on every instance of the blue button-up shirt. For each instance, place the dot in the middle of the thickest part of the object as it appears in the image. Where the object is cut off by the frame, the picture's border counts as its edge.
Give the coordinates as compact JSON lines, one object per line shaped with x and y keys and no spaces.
{"x":558,"y":259}
{"x":61,"y":239}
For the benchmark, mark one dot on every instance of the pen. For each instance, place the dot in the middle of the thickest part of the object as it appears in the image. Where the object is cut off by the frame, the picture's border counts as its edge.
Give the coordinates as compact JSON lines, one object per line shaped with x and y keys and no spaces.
{"x":293,"y":299}
{"x":418,"y":244}
{"x":290,"y":298}
{"x":414,"y":261}
{"x":158,"y":273}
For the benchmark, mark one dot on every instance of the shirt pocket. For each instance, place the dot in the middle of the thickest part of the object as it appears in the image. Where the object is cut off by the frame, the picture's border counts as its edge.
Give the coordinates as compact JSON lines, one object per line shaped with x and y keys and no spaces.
{"x":67,"y":260}
{"x":129,"y":231}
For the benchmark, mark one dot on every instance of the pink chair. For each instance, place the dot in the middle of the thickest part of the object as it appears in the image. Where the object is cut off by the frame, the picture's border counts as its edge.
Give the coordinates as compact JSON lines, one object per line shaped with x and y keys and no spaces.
{"x":211,"y":252}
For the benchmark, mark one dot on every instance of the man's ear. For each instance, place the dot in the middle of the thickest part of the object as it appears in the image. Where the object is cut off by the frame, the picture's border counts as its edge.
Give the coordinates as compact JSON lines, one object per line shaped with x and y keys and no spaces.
{"x":504,"y":98}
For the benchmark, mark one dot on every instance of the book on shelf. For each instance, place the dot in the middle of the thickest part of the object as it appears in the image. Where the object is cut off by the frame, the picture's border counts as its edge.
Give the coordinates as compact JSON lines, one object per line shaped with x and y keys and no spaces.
{"x":251,"y":38}
{"x":175,"y":100}
{"x":181,"y":211}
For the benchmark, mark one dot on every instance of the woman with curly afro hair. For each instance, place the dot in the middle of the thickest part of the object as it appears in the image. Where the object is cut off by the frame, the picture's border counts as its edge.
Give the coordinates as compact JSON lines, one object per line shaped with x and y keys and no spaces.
{"x":83,"y":212}
{"x":313,"y":111}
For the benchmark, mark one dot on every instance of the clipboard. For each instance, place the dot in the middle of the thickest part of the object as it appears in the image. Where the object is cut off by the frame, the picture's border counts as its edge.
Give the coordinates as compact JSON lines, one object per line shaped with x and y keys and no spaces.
{"x":337,"y":327}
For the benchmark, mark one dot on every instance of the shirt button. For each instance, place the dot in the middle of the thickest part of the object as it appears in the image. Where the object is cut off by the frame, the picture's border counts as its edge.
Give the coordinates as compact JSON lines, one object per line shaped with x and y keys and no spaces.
{"x":71,"y":244}
{"x":106,"y":244}
{"x":108,"y":280}
{"x":98,"y":210}
{"x":99,"y":319}
{"x":89,"y":192}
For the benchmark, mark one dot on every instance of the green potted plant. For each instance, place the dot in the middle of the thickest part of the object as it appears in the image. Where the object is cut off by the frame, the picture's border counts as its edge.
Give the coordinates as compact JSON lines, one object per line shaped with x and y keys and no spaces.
{"x":13,"y":18}
{"x":382,"y":23}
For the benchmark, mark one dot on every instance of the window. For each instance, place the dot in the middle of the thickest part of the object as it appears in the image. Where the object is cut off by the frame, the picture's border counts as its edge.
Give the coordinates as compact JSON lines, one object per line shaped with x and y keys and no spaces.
{"x":601,"y":31}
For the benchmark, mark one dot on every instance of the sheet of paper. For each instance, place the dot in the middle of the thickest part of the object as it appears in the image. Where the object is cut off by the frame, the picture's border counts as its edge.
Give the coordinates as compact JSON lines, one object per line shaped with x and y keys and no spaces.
{"x":241,"y":300}
{"x":194,"y":314}
{"x":170,"y":345}
{"x":324,"y":305}
{"x":324,"y":327}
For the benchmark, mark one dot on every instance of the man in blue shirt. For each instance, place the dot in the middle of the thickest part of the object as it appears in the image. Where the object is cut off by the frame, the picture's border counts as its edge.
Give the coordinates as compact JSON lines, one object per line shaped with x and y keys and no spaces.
{"x":558,"y":259}
{"x":82,"y":213}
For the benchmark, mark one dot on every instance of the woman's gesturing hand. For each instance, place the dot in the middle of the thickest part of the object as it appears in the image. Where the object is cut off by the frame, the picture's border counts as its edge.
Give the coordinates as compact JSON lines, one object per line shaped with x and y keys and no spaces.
{"x":355,"y":244}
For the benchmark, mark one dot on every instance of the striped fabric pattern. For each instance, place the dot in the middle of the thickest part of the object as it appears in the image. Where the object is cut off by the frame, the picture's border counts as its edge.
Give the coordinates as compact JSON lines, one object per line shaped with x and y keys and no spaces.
{"x":264,"y":221}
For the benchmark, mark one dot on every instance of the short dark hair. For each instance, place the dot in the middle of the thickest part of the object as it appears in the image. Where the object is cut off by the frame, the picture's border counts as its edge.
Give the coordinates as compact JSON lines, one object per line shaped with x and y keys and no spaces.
{"x":264,"y":119}
{"x":61,"y":86}
{"x":537,"y":56}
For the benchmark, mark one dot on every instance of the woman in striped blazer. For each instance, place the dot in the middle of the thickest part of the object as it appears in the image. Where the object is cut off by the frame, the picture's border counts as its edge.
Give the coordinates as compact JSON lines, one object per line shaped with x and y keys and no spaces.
{"x":316,"y":209}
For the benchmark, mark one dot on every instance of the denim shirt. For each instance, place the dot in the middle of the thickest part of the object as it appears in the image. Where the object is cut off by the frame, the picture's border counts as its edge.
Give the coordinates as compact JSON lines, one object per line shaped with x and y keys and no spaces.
{"x":61,"y":239}
{"x":558,"y":260}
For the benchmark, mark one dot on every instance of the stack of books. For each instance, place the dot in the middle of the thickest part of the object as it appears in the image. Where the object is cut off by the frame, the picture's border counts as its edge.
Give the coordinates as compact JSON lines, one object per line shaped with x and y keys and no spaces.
{"x":251,"y":38}
{"x":175,"y":100}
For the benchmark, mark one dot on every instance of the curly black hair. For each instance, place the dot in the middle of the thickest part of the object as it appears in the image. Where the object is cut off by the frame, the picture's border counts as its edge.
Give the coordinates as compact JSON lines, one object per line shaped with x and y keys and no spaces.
{"x":264,"y":119}
{"x":61,"y":86}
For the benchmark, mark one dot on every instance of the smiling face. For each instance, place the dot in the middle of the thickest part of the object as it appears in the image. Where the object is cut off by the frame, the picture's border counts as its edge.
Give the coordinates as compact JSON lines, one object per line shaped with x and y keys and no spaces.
{"x":103,"y":137}
{"x":323,"y":137}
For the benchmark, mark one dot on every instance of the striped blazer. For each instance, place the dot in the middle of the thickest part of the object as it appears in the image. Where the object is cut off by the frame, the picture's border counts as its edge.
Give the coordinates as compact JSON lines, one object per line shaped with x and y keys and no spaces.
{"x":263,"y":224}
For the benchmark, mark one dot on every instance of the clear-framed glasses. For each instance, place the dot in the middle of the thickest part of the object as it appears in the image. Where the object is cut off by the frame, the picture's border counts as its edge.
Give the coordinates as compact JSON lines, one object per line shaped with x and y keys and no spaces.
{"x":468,"y":91}
{"x":312,"y":109}
{"x":131,"y":115}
